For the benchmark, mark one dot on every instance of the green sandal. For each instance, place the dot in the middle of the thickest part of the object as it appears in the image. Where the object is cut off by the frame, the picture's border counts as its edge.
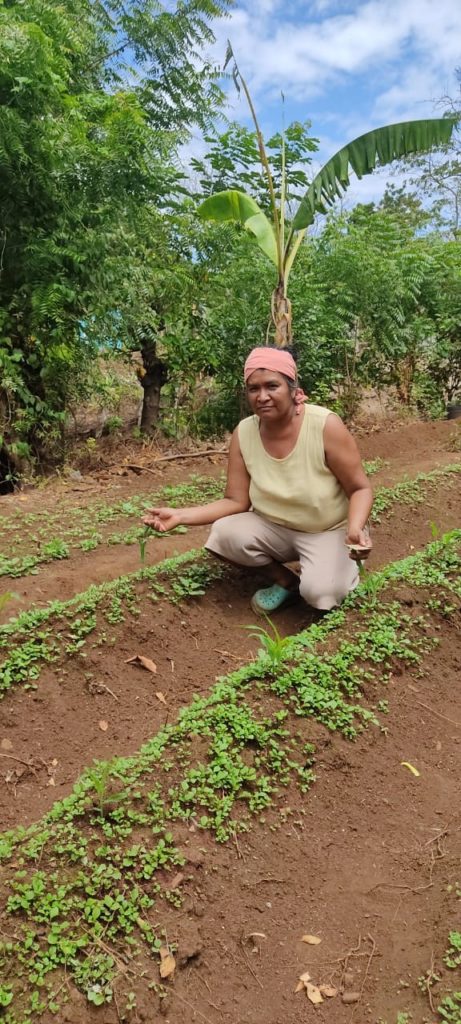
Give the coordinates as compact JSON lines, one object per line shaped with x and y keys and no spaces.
{"x":266,"y":601}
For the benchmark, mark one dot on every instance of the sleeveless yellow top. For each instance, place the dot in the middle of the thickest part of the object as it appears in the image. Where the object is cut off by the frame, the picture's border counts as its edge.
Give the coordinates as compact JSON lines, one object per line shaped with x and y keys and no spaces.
{"x":298,"y":491}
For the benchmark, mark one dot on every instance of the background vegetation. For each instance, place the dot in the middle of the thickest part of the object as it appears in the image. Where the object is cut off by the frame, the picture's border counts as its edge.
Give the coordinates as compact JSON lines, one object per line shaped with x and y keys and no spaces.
{"x":102,"y":254}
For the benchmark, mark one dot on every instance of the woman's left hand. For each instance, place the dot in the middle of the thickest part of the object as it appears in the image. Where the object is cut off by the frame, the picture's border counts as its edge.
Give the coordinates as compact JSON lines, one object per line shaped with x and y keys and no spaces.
{"x":359,"y":544}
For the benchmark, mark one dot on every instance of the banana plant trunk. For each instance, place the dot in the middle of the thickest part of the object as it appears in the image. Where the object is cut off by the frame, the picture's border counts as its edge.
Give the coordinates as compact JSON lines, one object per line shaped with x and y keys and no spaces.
{"x":281,"y":316}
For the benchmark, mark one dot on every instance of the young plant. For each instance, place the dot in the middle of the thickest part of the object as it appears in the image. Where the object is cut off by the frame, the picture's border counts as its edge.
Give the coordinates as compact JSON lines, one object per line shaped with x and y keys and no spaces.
{"x":100,"y":777}
{"x":142,"y":543}
{"x":273,"y":647}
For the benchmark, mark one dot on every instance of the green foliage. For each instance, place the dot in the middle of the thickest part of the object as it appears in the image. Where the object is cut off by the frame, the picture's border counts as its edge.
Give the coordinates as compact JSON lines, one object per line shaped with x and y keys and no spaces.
{"x":77,"y":529}
{"x":86,"y":159}
{"x":380,"y":146}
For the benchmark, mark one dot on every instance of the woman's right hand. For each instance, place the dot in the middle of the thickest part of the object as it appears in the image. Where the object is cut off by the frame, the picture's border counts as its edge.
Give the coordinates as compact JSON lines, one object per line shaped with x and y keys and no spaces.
{"x":162,"y":519}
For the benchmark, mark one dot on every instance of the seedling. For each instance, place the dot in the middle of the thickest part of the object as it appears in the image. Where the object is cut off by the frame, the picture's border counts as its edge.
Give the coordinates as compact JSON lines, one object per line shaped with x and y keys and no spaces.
{"x":142,"y":543}
{"x":100,"y":777}
{"x":273,"y":648}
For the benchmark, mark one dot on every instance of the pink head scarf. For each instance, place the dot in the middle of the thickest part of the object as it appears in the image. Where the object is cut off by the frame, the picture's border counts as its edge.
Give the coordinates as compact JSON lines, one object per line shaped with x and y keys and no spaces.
{"x":278,"y":360}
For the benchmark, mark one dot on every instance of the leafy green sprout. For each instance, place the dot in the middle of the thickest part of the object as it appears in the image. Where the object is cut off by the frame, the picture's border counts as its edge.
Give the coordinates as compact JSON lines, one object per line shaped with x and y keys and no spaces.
{"x":142,"y":543}
{"x":273,"y":646}
{"x":100,"y":776}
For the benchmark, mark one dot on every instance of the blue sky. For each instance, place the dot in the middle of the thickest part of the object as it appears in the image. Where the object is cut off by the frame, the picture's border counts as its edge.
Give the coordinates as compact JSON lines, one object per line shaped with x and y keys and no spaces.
{"x":347,"y":65}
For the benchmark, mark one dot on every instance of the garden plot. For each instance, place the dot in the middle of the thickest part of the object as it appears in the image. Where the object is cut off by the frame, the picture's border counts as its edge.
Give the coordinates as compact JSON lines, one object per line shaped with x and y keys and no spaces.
{"x":90,"y":889}
{"x":216,"y":830}
{"x":185,"y":614}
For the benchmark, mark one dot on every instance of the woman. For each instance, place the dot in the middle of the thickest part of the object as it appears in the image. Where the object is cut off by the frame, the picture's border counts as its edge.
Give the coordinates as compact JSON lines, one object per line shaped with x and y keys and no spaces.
{"x":296,"y":491}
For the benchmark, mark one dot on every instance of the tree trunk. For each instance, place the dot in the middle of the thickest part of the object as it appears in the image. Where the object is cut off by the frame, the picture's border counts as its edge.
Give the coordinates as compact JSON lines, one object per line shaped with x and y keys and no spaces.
{"x":281,"y":316}
{"x":405,"y":372}
{"x":155,"y":376}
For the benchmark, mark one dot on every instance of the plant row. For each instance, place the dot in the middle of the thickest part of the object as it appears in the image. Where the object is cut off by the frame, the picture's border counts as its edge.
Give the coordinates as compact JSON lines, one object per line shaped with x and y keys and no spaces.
{"x":55,"y":535}
{"x":39,"y":637}
{"x":86,"y":885}
{"x":64,"y":628}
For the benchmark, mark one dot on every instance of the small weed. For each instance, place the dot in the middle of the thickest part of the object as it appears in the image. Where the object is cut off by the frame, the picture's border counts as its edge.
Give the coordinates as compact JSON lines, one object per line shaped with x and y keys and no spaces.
{"x":452,"y":956}
{"x":450,"y":1008}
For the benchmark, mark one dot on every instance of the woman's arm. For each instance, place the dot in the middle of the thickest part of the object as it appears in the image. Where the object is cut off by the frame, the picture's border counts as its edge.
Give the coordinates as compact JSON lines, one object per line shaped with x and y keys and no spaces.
{"x":343,"y":459}
{"x":236,"y":499}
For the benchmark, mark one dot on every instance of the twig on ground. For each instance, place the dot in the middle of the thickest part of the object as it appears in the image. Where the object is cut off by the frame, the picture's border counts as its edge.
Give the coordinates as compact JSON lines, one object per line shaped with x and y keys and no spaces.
{"x":433,"y":712}
{"x":172,"y":992}
{"x":181,"y":455}
{"x":104,"y":687}
{"x":367,"y":969}
{"x":226,"y":654}
{"x":204,"y":982}
{"x":237,"y":847}
{"x":396,"y":885}
{"x":28,"y":764}
{"x":255,"y":976}
{"x":253,"y":885}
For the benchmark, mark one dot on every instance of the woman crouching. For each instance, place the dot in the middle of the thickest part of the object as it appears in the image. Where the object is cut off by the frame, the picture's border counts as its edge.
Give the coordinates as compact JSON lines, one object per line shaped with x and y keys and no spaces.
{"x":296,"y":492}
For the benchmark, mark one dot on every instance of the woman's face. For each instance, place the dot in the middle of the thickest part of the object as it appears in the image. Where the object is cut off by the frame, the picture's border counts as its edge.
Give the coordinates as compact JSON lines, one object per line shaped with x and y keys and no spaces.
{"x":269,"y":394}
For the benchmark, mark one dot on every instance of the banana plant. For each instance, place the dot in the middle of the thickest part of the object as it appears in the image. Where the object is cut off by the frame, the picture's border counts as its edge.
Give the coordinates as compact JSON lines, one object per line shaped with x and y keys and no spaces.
{"x":280,"y":239}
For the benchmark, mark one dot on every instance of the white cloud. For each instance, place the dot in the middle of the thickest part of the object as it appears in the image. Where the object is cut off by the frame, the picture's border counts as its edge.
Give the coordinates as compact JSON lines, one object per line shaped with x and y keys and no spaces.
{"x":279,"y":47}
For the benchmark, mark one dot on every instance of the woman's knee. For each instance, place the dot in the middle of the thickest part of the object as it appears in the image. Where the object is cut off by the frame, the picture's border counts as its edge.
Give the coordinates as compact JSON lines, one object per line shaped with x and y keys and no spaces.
{"x":229,"y":541}
{"x":318,"y":595}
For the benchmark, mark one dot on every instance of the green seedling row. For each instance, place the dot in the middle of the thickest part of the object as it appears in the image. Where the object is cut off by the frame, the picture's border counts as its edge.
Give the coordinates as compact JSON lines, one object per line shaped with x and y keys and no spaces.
{"x":85,"y":886}
{"x":39,"y":637}
{"x":411,"y":492}
{"x":79,"y":529}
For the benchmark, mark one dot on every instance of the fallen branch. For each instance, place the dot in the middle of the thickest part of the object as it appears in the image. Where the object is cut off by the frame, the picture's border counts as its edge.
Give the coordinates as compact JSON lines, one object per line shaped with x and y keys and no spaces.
{"x":181,"y":455}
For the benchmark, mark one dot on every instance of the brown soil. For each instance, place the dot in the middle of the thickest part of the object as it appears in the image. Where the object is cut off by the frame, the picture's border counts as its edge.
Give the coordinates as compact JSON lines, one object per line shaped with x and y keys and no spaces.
{"x":365,"y":858}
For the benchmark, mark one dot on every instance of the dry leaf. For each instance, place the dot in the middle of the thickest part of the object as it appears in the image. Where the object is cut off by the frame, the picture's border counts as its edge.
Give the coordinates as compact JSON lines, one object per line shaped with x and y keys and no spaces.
{"x":6,"y":744}
{"x":103,"y":725}
{"x":161,"y":697}
{"x":314,"y":994}
{"x":299,"y":986}
{"x":51,"y":782}
{"x":411,"y":768}
{"x":167,"y":966}
{"x":313,"y":940}
{"x":139,"y":659}
{"x":328,"y":991}
{"x":305,"y":977}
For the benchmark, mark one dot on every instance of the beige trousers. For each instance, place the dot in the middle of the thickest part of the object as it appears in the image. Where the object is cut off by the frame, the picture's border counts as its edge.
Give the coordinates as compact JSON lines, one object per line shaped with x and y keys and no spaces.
{"x":327,"y":572}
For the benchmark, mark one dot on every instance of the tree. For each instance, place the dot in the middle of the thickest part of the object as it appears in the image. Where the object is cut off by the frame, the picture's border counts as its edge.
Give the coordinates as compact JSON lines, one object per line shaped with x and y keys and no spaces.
{"x":81,"y":152}
{"x":281,"y":241}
